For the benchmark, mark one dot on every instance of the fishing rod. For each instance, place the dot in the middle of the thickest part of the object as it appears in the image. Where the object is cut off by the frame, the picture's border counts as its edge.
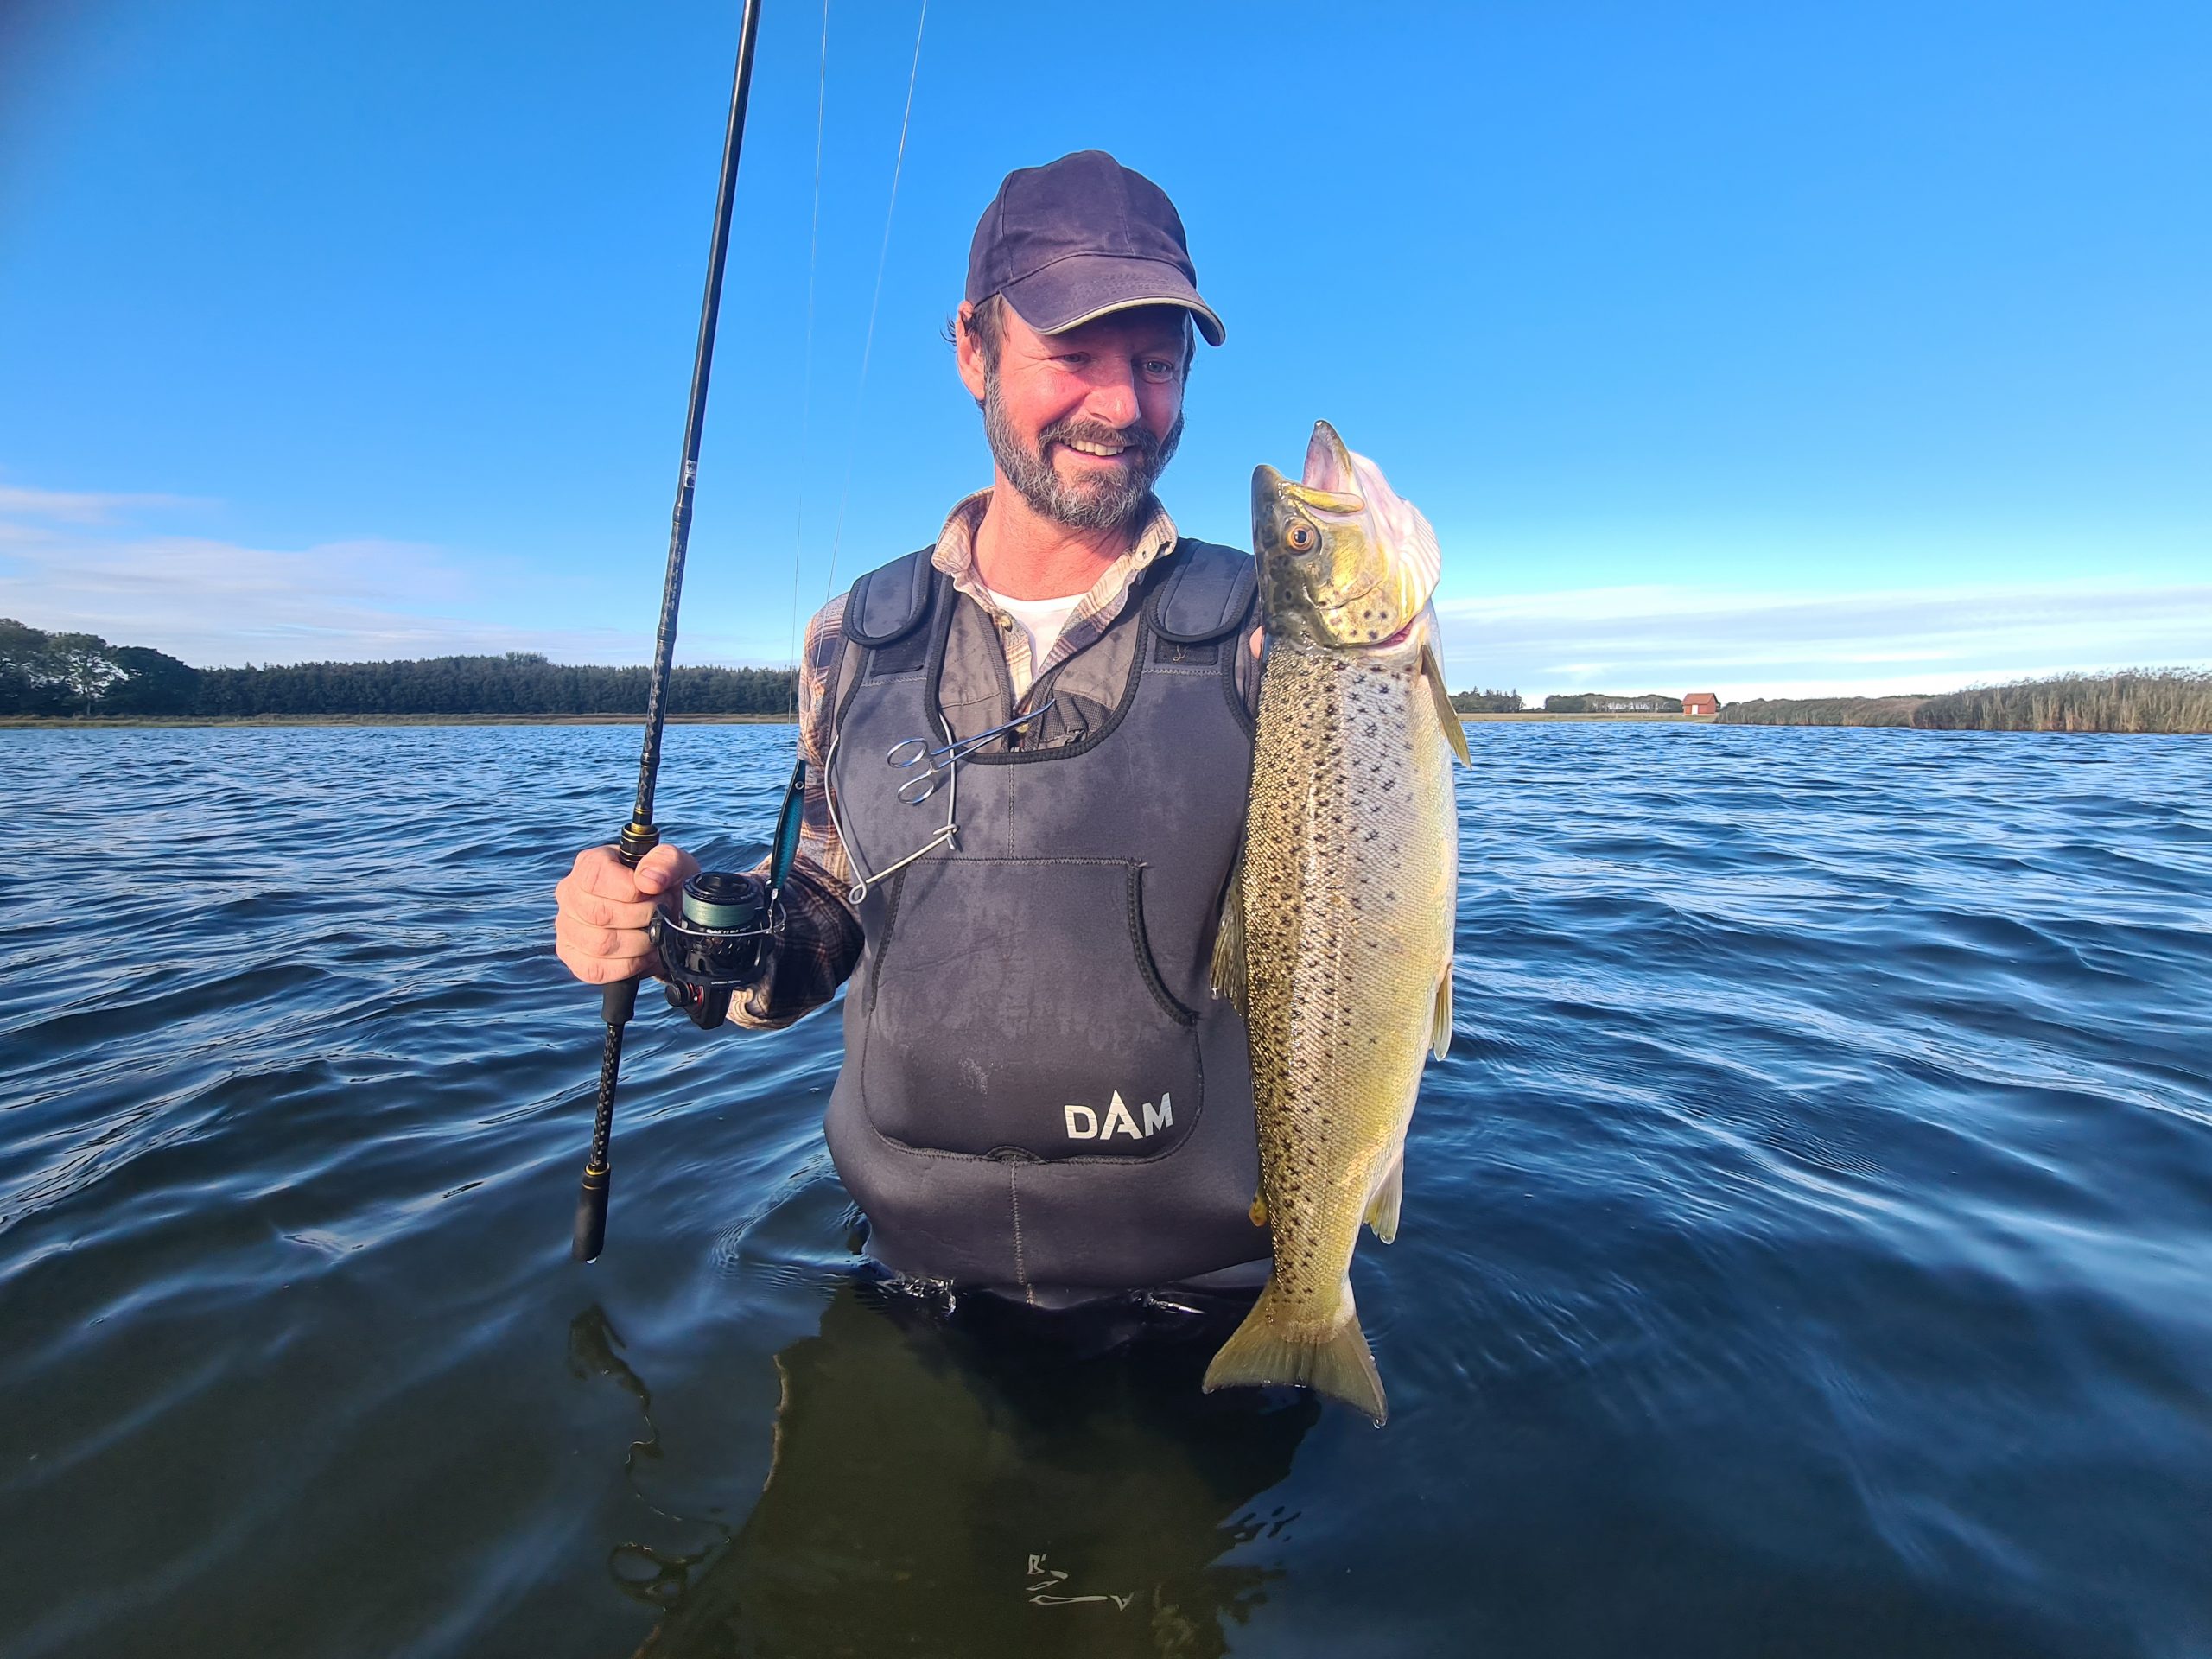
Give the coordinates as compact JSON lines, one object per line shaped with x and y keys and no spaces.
{"x":721,"y":908}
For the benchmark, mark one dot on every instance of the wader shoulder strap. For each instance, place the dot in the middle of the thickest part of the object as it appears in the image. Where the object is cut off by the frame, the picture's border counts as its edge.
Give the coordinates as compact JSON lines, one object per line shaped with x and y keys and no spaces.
{"x":884,"y":612}
{"x":1207,"y":591}
{"x":890,"y":600}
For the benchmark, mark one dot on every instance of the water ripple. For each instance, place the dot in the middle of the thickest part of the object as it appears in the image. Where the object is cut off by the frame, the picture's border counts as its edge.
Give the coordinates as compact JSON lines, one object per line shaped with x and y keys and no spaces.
{"x":1808,"y":1240}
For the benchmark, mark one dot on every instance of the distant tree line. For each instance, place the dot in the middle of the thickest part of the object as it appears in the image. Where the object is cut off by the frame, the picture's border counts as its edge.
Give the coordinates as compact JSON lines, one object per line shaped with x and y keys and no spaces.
{"x":2139,"y":700}
{"x":43,"y":673}
{"x":1607,"y":702}
{"x":1487,"y":703}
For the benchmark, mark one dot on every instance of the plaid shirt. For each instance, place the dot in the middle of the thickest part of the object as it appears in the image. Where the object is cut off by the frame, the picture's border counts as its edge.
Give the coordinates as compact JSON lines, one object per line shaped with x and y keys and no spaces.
{"x":822,"y":929}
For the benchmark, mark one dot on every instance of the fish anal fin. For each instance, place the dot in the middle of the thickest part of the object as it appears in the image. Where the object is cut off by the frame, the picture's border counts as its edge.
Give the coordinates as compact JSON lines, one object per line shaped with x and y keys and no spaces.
{"x":1455,"y":729}
{"x":1439,"y":1033}
{"x":1271,"y":1347}
{"x":1382,"y":1216}
{"x":1228,"y":973}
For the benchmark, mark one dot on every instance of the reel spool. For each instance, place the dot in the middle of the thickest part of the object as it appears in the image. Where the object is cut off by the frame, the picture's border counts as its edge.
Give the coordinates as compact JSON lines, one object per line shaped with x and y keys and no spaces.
{"x":715,"y":943}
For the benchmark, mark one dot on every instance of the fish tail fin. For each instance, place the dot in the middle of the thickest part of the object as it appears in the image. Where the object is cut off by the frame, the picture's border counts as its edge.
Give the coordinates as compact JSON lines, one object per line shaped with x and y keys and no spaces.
{"x":1270,"y":1348}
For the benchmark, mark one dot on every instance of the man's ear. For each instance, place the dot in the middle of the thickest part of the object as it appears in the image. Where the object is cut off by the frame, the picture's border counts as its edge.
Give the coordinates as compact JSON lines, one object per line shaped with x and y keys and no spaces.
{"x":968,"y":354}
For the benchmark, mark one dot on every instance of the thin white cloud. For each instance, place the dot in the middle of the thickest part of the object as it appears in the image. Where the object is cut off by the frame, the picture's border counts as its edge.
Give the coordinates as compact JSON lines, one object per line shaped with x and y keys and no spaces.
{"x":66,"y":564}
{"x":215,"y":602}
{"x":1672,"y":638}
{"x":82,"y":562}
{"x":92,"y":562}
{"x":81,"y":507}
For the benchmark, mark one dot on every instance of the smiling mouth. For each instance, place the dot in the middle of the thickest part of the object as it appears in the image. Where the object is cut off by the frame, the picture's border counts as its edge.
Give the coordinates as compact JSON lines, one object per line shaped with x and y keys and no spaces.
{"x":1098,"y":451}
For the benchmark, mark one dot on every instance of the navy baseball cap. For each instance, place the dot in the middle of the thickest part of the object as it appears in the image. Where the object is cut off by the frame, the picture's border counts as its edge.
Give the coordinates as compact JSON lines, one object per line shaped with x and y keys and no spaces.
{"x":1078,"y":238}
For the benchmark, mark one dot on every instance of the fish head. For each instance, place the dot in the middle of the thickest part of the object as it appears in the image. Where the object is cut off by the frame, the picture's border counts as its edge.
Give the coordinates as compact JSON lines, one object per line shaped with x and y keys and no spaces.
{"x":1344,"y":562}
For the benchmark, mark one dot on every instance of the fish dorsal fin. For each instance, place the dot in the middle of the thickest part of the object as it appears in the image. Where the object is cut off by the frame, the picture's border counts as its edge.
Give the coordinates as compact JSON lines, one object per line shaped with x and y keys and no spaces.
{"x":1404,"y":526}
{"x":1230,"y":972}
{"x":1455,"y":729}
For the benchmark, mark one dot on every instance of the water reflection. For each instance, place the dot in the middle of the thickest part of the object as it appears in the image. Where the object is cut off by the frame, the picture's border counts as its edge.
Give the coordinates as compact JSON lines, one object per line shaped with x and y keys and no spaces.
{"x":970,"y":1485}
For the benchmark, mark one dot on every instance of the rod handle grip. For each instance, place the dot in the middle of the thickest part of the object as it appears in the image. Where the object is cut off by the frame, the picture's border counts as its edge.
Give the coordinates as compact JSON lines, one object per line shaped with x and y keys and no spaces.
{"x":591,"y":1216}
{"x":618,"y":1000}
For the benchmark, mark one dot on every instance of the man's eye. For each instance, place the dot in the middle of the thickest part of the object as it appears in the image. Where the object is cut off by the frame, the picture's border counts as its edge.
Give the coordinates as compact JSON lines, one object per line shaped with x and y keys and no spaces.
{"x":1160,"y":367}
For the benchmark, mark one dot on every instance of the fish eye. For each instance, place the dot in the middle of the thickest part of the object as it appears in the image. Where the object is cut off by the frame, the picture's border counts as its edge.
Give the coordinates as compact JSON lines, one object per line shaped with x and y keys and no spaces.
{"x":1300,"y":536}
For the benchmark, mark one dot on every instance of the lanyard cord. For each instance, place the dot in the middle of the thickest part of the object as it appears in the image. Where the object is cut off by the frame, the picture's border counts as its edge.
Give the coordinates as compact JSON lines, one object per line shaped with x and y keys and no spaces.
{"x":945,"y":837}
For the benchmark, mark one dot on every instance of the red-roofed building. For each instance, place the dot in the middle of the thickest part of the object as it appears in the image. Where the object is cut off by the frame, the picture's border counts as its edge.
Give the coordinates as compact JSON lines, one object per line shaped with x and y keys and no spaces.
{"x":1701,"y":703}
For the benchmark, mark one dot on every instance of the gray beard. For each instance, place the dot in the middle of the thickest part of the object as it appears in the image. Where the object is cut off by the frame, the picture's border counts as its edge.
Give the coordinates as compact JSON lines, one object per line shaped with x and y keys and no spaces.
{"x":1102,"y":503}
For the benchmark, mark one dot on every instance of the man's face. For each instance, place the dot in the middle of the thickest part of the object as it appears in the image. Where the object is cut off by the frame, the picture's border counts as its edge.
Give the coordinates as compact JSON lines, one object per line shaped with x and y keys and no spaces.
{"x":1082,"y":423}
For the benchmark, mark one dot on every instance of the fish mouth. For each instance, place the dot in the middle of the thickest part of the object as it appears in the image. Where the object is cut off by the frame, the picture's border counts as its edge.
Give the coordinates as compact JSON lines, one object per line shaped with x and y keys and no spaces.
{"x":1328,"y":462}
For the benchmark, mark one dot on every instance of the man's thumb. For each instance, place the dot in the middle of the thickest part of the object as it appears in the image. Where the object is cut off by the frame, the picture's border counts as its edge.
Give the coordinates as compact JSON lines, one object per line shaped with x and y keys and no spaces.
{"x":658,"y":871}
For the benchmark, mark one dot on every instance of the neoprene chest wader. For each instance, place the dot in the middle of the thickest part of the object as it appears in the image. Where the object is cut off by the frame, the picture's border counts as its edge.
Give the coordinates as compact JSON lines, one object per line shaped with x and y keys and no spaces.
{"x":1040,"y":1093}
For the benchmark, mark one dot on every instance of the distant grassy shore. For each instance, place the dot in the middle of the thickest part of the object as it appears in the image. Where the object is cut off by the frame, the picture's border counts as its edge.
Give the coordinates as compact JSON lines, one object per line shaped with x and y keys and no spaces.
{"x":2141,"y":700}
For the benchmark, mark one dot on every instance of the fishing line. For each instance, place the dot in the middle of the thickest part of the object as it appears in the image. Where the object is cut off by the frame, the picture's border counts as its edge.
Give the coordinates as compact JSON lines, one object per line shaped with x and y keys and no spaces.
{"x":806,"y":374}
{"x":868,"y":345}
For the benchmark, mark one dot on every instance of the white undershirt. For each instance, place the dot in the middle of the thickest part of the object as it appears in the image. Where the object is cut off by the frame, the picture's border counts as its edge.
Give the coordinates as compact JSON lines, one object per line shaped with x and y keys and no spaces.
{"x":1041,"y":619}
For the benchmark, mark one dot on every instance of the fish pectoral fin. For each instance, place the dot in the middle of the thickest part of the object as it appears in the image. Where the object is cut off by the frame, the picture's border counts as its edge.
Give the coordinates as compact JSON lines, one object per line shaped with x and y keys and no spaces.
{"x":1269,"y":1347}
{"x":1229,"y":975}
{"x":1439,"y":1031}
{"x":1382,"y":1216}
{"x":1455,"y":729}
{"x":1259,"y":1209}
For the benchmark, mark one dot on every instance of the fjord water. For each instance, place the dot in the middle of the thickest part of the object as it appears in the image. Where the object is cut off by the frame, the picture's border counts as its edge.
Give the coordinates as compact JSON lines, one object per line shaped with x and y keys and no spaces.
{"x":1807,"y":1243}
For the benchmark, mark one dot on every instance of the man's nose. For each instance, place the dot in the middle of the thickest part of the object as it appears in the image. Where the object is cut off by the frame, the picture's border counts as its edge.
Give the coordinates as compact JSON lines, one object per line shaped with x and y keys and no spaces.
{"x":1113,"y":399}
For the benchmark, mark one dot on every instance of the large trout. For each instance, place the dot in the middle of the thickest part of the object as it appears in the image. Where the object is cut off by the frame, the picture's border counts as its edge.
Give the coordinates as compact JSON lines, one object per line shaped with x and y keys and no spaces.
{"x":1335,"y":938}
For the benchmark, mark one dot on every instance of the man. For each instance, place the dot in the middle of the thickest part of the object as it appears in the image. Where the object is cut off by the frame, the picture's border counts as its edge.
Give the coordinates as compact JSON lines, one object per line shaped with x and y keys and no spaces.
{"x":1039,"y":1096}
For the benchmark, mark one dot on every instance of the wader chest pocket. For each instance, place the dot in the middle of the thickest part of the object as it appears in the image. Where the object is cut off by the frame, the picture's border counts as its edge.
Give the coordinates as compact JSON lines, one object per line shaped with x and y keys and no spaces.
{"x":1014,"y":1004}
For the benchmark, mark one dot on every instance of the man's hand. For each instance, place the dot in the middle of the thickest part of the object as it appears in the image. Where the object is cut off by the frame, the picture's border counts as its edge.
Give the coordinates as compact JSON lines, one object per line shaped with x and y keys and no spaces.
{"x":606,"y":906}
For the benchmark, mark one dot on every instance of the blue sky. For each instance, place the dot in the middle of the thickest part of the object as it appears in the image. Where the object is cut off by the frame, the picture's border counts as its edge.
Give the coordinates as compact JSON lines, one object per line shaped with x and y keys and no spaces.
{"x":1815,"y":348}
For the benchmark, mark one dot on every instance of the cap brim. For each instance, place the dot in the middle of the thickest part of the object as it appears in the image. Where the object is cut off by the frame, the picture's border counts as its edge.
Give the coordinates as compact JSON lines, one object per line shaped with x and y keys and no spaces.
{"x":1070,"y":292}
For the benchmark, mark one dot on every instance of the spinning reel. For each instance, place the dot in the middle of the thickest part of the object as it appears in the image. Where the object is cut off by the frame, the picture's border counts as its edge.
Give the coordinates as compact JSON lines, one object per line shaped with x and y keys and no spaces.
{"x":716,"y":944}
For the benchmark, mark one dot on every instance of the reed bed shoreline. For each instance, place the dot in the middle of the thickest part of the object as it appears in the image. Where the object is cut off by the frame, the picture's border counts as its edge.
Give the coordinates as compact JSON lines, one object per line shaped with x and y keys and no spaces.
{"x":2165,"y":702}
